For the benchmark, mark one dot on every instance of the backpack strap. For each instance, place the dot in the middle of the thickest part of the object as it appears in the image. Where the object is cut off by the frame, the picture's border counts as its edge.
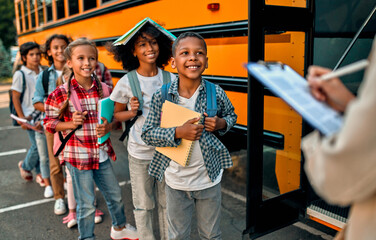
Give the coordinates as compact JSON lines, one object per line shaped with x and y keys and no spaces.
{"x":164,"y":92}
{"x":135,"y":86}
{"x":45,"y":81}
{"x":166,"y":77}
{"x":211,"y":99}
{"x":106,"y":90}
{"x":23,"y":86}
{"x":74,"y":98}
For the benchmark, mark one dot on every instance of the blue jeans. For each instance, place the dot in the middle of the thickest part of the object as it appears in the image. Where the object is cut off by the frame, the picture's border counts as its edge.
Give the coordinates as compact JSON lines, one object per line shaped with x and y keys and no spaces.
{"x":40,"y":138}
{"x":144,"y":188}
{"x":83,"y":187}
{"x":180,"y":207}
{"x":32,"y":158}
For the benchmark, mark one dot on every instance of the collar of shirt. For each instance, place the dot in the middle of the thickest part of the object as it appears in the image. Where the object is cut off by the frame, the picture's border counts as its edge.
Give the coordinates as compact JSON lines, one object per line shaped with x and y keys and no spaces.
{"x":29,"y":71}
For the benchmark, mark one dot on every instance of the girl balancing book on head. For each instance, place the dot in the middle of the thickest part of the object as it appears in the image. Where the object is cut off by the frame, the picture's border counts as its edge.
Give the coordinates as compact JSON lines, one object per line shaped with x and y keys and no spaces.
{"x":85,"y":159}
{"x":146,"y":51}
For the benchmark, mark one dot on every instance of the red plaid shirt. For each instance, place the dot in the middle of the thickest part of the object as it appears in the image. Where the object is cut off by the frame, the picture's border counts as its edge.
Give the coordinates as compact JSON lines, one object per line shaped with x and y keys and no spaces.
{"x":82,"y":150}
{"x":107,"y":75}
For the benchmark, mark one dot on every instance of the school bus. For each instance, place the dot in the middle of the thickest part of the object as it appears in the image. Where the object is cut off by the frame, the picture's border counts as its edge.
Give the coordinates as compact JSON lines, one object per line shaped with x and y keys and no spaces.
{"x":294,"y":32}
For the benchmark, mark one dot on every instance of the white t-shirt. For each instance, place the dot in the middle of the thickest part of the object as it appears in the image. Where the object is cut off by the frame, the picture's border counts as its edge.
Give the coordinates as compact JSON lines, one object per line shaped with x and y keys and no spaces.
{"x":122,"y":93}
{"x":31,"y":79}
{"x":193,"y":177}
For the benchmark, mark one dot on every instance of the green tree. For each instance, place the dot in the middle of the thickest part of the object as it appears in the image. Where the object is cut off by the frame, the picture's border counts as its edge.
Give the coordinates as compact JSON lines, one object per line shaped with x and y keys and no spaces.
{"x":5,"y":64}
{"x":7,"y":29}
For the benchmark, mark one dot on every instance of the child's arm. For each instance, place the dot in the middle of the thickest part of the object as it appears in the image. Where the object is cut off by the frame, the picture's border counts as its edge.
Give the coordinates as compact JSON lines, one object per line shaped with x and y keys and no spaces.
{"x":38,"y":97}
{"x":105,"y":127}
{"x":120,"y":112}
{"x":226,"y":117}
{"x":189,"y":130}
{"x":152,"y":133}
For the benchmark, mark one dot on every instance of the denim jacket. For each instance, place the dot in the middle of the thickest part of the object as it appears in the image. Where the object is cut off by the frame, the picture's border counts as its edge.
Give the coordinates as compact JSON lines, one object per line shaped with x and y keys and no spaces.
{"x":215,"y":154}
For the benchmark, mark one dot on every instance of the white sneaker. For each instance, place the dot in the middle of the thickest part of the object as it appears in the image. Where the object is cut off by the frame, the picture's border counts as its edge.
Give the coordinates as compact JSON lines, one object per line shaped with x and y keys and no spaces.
{"x":129,"y":232}
{"x":48,"y":193}
{"x":60,"y":207}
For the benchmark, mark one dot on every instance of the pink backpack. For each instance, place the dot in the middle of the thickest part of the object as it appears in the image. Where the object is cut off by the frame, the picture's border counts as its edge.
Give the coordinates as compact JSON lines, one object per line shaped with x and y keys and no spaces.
{"x":59,"y":140}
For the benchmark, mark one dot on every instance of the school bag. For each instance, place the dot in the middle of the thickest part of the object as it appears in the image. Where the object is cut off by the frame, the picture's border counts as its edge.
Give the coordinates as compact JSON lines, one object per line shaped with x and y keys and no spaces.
{"x":136,"y":91}
{"x":59,"y":140}
{"x":211,"y":97}
{"x":11,"y":106}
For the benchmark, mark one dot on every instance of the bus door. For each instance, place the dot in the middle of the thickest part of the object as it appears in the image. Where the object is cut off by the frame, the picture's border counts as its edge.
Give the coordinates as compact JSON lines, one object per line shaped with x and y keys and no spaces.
{"x":279,"y":30}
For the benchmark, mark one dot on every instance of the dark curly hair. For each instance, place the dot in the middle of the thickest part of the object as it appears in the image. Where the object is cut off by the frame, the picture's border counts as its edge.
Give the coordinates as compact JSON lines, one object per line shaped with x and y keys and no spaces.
{"x":47,"y":46}
{"x":124,"y":53}
{"x":25,"y":48}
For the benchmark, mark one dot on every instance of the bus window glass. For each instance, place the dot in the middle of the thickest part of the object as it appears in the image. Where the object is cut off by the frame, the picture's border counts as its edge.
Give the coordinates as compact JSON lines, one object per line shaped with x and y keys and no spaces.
{"x":73,"y":7}
{"x":48,"y":4}
{"x":40,"y":12}
{"x":287,"y":3}
{"x":60,"y":10}
{"x":105,"y":1}
{"x":282,"y":159}
{"x":20,"y":16}
{"x":32,"y":13}
{"x":26,"y":11}
{"x":89,"y":4}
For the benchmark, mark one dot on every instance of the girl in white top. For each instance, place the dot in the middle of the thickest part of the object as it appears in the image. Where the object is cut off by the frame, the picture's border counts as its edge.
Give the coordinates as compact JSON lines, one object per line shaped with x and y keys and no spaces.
{"x":146,"y":53}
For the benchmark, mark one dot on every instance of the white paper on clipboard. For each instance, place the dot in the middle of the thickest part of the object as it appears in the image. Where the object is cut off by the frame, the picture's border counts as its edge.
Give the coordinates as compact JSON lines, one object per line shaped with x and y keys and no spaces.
{"x":294,"y":90}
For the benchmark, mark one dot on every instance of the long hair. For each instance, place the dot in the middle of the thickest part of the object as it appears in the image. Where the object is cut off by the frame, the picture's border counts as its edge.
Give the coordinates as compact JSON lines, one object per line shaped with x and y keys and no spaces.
{"x":47,"y":46}
{"x":124,"y":53}
{"x":68,"y":55}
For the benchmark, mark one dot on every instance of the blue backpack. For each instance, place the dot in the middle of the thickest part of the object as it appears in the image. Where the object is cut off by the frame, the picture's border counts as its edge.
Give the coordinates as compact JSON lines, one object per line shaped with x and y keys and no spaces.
{"x":211,"y":97}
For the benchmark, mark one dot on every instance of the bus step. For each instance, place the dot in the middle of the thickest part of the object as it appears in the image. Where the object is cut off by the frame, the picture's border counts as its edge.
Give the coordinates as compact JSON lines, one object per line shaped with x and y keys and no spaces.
{"x":332,"y":216}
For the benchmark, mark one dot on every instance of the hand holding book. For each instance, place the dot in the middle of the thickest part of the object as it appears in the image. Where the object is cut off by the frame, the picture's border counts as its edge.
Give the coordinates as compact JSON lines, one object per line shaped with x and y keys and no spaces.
{"x":190,"y":130}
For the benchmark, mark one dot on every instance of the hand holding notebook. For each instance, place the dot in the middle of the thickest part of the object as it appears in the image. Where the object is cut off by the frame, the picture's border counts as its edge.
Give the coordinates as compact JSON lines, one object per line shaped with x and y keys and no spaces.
{"x":174,"y":115}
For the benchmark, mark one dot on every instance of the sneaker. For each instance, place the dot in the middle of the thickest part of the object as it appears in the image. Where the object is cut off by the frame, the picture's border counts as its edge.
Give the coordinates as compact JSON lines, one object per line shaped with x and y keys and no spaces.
{"x":60,"y":208}
{"x":70,"y":220}
{"x":27,"y":175}
{"x":40,"y":180}
{"x":48,"y":193}
{"x":129,"y":232}
{"x":98,"y":214}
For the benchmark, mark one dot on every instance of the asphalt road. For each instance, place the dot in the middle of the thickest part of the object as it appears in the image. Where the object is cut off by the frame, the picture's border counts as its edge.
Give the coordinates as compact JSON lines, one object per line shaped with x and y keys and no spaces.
{"x":26,"y":214}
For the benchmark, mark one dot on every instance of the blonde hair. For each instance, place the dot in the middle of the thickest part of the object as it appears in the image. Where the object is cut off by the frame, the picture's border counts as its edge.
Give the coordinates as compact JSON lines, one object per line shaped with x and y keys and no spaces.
{"x":68,"y":54}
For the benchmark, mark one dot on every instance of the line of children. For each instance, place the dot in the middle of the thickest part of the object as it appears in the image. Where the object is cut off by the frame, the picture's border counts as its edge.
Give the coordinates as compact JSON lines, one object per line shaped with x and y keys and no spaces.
{"x":146,"y":53}
{"x":196,"y":186}
{"x":85,"y":159}
{"x":30,"y":57}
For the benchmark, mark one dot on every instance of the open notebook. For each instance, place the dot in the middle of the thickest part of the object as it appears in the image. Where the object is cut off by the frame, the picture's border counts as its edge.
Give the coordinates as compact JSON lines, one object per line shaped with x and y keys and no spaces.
{"x":174,"y":115}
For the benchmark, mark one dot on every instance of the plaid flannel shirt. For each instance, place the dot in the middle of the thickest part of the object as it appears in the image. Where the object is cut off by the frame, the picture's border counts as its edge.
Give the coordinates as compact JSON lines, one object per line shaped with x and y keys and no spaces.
{"x":107,"y":75}
{"x":82,"y":150}
{"x":215,"y":154}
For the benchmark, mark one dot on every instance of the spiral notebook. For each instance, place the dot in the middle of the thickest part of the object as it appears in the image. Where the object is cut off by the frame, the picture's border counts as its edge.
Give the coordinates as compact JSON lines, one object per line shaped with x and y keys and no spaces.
{"x":174,"y":115}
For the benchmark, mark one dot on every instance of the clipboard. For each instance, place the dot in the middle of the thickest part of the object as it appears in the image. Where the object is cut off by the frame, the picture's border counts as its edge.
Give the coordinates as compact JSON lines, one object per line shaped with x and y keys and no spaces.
{"x":287,"y":84}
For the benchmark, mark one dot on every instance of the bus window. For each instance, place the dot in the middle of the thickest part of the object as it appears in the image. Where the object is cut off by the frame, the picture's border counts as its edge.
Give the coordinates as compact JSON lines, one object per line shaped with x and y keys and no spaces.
{"x":282,"y":166}
{"x":26,"y":13}
{"x":60,"y":9}
{"x":32,"y":13}
{"x":40,"y":13}
{"x":49,"y":16}
{"x":287,"y":3}
{"x":105,"y":1}
{"x":89,"y":4}
{"x":73,"y":7}
{"x":20,"y":16}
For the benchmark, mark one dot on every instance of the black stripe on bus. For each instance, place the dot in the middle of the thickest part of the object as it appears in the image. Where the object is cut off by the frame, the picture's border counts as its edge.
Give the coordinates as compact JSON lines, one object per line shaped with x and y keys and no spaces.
{"x":99,"y":12}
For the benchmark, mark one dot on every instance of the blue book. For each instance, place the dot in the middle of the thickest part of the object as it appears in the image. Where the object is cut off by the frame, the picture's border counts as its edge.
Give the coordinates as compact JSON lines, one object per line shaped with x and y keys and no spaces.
{"x":106,"y":110}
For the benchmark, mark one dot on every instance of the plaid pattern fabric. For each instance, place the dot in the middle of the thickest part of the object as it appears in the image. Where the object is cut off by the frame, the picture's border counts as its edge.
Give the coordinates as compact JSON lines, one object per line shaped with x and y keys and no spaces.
{"x":215,"y":154}
{"x":82,"y":150}
{"x":107,"y":75}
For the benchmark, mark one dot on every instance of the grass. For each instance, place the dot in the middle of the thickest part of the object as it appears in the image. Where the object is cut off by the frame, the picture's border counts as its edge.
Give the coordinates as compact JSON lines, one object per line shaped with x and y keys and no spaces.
{"x":5,"y":80}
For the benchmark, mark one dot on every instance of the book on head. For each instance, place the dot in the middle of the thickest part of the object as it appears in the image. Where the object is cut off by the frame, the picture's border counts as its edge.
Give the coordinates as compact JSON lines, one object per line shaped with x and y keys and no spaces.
{"x":123,"y":40}
{"x":174,"y":115}
{"x":106,"y":110}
